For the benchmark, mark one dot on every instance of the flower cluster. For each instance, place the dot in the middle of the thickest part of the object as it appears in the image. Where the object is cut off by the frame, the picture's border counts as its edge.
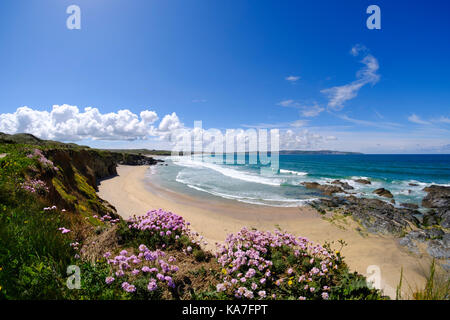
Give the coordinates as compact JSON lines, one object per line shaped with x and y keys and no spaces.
{"x":64,"y":230}
{"x":259,"y":265}
{"x":107,"y":218}
{"x":35,"y":186}
{"x":42,"y":159}
{"x":160,"y":227}
{"x":153,"y":266}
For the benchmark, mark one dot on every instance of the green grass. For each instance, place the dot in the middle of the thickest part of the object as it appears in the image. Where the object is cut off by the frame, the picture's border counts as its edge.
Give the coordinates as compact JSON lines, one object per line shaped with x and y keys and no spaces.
{"x":33,"y":253}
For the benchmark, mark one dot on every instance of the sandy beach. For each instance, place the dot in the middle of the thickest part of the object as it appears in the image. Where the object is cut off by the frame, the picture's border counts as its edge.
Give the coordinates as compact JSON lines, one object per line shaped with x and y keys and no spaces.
{"x":133,"y":194}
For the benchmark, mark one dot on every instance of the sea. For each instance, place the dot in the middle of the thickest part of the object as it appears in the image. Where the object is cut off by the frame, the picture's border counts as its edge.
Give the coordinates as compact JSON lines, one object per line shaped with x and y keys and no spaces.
{"x":208,"y":177}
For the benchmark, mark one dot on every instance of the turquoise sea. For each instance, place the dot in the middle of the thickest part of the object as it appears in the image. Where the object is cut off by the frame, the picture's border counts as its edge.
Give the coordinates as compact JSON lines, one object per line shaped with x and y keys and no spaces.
{"x":404,"y":175}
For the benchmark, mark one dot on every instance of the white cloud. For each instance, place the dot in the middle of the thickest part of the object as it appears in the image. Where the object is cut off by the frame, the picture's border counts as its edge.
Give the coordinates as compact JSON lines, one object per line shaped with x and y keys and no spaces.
{"x":444,"y":119}
{"x":67,"y":123}
{"x":357,"y":49}
{"x":170,"y":122}
{"x":292,"y":78}
{"x":311,"y":111}
{"x":367,"y":75}
{"x":287,"y":103}
{"x":416,"y":119}
{"x":305,"y":110}
{"x":366,"y":123}
{"x":298,"y":123}
{"x":306,"y":140}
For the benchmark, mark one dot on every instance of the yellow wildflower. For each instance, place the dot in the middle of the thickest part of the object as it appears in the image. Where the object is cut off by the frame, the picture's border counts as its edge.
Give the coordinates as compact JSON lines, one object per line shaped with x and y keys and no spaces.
{"x":224,"y":271}
{"x":290,"y":282}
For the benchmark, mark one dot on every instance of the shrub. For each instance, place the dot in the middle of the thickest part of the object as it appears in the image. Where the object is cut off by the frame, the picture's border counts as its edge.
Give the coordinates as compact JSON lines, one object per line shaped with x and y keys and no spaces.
{"x":144,"y":276}
{"x":158,"y":229}
{"x":262,"y":265}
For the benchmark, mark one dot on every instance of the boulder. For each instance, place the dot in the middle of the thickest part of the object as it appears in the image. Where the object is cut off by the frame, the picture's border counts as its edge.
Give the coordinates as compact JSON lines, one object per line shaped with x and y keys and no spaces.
{"x":326,"y":189}
{"x":437,"y":197}
{"x":382,"y":192}
{"x":344,"y":185}
{"x":363,"y":181}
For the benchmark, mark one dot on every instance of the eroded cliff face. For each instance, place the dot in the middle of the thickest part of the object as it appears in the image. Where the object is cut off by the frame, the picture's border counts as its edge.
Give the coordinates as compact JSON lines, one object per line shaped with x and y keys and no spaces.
{"x":74,"y":175}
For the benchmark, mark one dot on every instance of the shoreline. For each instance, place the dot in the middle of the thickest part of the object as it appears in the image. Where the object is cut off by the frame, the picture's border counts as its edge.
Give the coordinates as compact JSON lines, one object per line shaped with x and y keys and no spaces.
{"x":132,"y":193}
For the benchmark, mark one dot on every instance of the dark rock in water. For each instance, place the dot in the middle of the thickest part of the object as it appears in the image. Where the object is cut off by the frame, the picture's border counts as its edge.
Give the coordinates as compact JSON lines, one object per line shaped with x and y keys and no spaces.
{"x":437,"y":197}
{"x":326,"y":189}
{"x":383,"y":193}
{"x":438,"y":249}
{"x":409,"y":205}
{"x":413,"y":184}
{"x":363,"y":181}
{"x":344,"y":185}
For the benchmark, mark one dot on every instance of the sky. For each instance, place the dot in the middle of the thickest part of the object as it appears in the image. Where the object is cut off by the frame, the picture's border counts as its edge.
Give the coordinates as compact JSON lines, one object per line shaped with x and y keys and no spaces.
{"x":138,"y":70}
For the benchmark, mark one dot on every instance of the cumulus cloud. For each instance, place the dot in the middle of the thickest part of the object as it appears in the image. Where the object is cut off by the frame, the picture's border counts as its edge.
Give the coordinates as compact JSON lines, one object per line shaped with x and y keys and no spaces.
{"x":68,"y":123}
{"x":338,"y":95}
{"x":294,"y":140}
{"x":416,"y":119}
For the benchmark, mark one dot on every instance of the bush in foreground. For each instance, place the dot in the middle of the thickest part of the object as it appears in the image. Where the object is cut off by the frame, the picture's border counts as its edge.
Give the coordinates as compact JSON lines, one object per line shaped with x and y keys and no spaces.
{"x":262,"y":265}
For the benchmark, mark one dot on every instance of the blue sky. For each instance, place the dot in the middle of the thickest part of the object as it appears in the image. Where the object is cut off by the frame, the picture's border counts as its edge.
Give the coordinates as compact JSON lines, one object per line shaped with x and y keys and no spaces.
{"x":231,"y":64}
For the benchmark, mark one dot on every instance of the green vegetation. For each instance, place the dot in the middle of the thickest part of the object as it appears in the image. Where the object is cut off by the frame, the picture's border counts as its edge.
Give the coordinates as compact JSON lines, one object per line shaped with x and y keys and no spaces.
{"x":437,"y":285}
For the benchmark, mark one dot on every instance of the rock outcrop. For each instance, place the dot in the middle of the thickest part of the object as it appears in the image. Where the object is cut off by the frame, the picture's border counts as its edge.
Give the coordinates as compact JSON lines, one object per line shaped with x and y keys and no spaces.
{"x":375,"y":215}
{"x":437,"y":197}
{"x":382,"y":192}
{"x":324,"y":188}
{"x":344,"y":185}
{"x":363,"y":181}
